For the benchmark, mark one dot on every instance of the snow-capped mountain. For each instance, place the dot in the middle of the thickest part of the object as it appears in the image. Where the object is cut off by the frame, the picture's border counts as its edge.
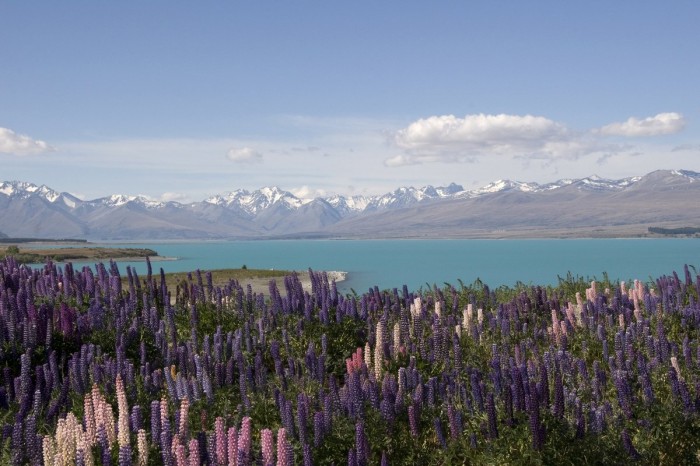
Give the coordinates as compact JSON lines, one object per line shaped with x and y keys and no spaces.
{"x":27,"y":209}
{"x":253,"y":203}
{"x":23,"y":190}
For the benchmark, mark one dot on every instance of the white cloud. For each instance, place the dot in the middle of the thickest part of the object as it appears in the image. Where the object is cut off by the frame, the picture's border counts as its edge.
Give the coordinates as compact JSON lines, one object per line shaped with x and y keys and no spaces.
{"x":479,"y":131}
{"x":166,"y":197}
{"x":19,"y":144}
{"x":177,"y":197}
{"x":400,"y":160}
{"x":448,"y":138}
{"x":686,"y":147}
{"x":663,"y":123}
{"x":305,"y":192}
{"x":244,"y":155}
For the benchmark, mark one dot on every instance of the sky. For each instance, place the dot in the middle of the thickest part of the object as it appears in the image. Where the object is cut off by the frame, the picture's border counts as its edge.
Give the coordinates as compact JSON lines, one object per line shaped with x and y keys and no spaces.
{"x":178,"y":100}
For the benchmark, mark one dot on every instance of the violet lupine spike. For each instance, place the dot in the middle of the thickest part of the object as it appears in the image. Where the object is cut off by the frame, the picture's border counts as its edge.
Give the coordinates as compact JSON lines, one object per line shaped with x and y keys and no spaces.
{"x":307,"y":457}
{"x":352,"y":457}
{"x":125,"y":455}
{"x":624,"y":394}
{"x":491,"y":413}
{"x":628,"y":446}
{"x":536,"y":427}
{"x":413,"y":420}
{"x":439,"y":432}
{"x":361,"y":444}
{"x":558,"y":405}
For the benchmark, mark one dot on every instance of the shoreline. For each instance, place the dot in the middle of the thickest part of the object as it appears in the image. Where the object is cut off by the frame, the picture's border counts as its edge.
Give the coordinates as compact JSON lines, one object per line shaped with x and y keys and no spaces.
{"x":261,"y":285}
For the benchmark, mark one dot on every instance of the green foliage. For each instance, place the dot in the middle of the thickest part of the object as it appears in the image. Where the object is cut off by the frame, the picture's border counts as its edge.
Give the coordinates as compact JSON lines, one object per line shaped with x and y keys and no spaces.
{"x":663,"y":432}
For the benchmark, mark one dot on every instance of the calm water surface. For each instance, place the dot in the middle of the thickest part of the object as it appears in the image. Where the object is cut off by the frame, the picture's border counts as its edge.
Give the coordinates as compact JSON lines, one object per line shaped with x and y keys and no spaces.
{"x":419,"y":263}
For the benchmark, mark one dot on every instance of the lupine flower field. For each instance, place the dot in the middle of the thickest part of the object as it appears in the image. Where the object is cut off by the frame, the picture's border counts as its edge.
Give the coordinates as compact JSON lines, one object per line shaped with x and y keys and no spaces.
{"x":103,"y":367}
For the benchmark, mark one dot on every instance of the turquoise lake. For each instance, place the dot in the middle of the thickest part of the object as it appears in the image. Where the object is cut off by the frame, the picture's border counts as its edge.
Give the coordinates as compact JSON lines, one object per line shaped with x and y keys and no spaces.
{"x":419,"y":263}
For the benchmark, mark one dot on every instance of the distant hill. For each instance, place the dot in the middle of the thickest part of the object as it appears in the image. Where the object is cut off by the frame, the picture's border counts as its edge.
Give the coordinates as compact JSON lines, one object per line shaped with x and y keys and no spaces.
{"x":591,"y":206}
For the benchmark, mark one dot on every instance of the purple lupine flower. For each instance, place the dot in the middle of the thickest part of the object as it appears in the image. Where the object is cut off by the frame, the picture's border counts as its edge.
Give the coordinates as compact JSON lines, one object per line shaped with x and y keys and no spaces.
{"x":536,"y":428}
{"x":558,"y":407}
{"x":17,"y":443}
{"x":580,"y":420}
{"x":624,"y":393}
{"x":517,"y":389}
{"x":386,"y":408}
{"x":32,"y":445}
{"x":352,"y":457}
{"x":491,"y":412}
{"x":125,"y":455}
{"x":439,"y":433}
{"x":319,"y":432}
{"x":306,"y":451}
{"x":104,"y":447}
{"x":685,"y":397}
{"x":361,"y":444}
{"x":413,"y":420}
{"x":302,"y":407}
{"x":454,"y":421}
{"x":628,"y":446}
{"x":673,"y":380}
{"x":136,"y":418}
{"x":647,"y":389}
{"x":508,"y":402}
{"x":155,"y":421}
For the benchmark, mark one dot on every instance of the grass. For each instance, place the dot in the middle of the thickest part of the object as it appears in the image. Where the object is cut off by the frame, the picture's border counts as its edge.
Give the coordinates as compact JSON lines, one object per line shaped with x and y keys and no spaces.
{"x":221,"y":277}
{"x":30,"y":256}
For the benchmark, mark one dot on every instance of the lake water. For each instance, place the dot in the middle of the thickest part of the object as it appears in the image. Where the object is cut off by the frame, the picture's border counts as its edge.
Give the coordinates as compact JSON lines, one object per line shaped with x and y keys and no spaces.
{"x":419,"y":263}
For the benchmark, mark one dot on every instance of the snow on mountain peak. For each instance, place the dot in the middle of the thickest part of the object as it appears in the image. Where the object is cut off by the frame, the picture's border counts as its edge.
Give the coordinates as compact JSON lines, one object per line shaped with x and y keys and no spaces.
{"x":690,"y":175}
{"x":252,"y":203}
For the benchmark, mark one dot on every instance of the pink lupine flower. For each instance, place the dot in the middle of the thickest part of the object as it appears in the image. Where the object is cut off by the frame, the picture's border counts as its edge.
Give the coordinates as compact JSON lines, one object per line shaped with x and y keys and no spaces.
{"x":194,"y":453}
{"x":184,"y":413}
{"x":232,"y":446}
{"x":267,"y":442}
{"x":123,"y":407}
{"x":221,"y":450}
{"x":180,"y":455}
{"x":283,"y":448}
{"x":49,"y":450}
{"x":89,"y":418}
{"x":244,"y":438}
{"x":379,"y":350}
{"x":141,"y":448}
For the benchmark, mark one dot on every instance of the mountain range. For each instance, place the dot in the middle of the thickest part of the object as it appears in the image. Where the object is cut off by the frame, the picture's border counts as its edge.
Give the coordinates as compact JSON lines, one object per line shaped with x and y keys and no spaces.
{"x":591,"y":206}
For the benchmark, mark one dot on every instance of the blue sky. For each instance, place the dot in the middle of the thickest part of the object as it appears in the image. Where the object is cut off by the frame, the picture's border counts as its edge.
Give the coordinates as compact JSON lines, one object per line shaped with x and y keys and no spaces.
{"x":181,"y":100}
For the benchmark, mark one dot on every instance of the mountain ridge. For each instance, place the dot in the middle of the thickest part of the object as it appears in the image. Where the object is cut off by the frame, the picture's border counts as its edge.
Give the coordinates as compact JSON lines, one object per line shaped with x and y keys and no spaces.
{"x":27,"y":209}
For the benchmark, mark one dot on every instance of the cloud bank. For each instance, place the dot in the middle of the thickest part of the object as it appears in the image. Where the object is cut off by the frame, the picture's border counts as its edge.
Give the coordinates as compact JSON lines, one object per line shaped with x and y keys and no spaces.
{"x":244,"y":155}
{"x":448,"y":138}
{"x":663,"y":123}
{"x":19,"y":144}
